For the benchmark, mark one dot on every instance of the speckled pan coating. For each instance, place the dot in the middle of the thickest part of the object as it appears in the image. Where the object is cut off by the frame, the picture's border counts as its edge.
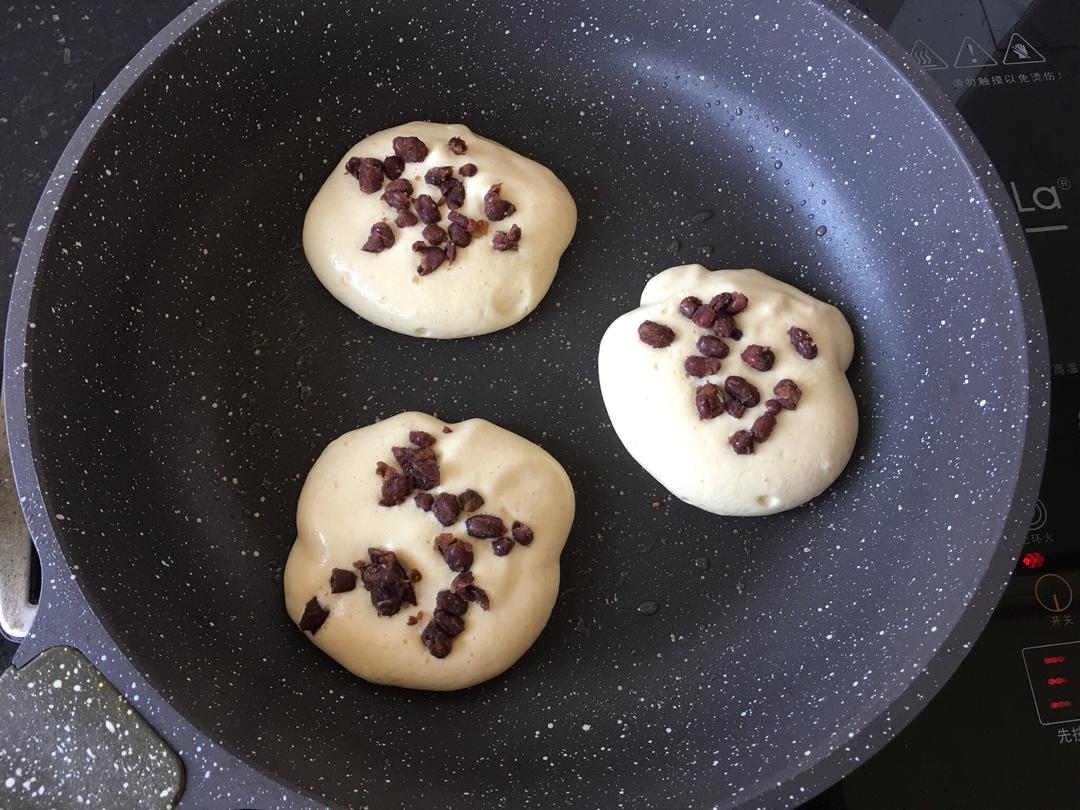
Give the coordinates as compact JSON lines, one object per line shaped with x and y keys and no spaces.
{"x":70,"y":740}
{"x":173,"y":369}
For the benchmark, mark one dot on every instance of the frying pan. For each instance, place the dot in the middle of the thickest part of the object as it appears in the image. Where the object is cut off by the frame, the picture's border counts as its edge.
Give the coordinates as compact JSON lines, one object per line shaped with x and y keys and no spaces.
{"x":173,"y":369}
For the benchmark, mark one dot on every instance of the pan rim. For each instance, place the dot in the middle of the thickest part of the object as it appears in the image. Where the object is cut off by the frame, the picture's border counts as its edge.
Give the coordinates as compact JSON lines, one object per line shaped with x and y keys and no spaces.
{"x":861,"y":744}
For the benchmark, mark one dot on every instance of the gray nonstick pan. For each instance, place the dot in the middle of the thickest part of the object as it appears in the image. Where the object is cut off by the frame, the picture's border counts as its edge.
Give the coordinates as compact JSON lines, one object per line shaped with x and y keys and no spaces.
{"x":173,"y":368}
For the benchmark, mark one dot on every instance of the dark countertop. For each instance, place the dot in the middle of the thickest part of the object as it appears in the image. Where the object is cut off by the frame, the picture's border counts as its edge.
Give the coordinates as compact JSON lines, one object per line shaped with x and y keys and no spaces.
{"x":55,"y":59}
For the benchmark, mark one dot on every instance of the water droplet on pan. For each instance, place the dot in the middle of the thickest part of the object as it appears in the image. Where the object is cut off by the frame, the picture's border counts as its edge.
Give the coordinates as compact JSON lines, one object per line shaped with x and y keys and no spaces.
{"x":674,"y":246}
{"x":778,"y":164}
{"x":704,"y":215}
{"x":648,"y":608}
{"x":821,"y":230}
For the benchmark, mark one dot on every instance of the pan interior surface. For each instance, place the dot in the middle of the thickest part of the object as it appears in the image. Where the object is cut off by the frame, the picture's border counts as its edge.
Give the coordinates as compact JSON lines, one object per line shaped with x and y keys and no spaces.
{"x":186,"y":368}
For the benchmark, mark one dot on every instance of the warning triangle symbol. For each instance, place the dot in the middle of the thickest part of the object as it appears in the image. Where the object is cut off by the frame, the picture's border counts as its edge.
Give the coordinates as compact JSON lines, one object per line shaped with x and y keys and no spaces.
{"x":973,"y":55}
{"x":926,"y":57}
{"x":1021,"y":52}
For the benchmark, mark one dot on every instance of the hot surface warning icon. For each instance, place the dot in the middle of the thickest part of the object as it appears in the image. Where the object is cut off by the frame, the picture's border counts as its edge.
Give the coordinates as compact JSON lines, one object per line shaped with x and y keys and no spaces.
{"x":926,"y":57}
{"x":973,"y":55}
{"x":1021,"y":52}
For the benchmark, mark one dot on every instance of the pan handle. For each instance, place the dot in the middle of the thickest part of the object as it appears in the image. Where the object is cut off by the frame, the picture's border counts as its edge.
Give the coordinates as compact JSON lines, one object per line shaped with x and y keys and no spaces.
{"x":16,"y":610}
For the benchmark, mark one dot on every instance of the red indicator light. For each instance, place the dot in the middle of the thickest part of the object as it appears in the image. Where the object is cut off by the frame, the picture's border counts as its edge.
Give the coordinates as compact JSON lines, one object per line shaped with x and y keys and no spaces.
{"x":1056,"y":681}
{"x":1060,"y":704}
{"x":1054,"y":659}
{"x":1033,"y":559}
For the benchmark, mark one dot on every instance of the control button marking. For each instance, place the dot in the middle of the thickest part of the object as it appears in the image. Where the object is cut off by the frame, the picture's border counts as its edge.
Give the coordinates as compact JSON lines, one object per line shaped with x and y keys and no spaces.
{"x":1053,"y":593}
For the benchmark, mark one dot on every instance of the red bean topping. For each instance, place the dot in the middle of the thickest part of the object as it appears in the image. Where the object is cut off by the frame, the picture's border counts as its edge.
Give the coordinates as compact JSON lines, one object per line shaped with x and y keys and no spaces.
{"x":470,"y":500}
{"x":421,"y":438}
{"x":712,"y":346}
{"x":449,"y":623}
{"x":721,"y":302}
{"x":742,"y":390}
{"x":457,"y":146}
{"x":724,"y":325}
{"x":521,"y":533}
{"x":759,"y":357}
{"x":395,"y":488}
{"x":787,"y":394}
{"x":447,"y":429}
{"x":495,"y":207}
{"x":502,"y":546}
{"x":314,"y":616}
{"x":419,"y":246}
{"x":382,"y":468}
{"x":655,"y":334}
{"x":414,"y":619}
{"x":476,"y":227}
{"x":459,"y":235}
{"x":464,"y":587}
{"x":437,"y":642}
{"x":415,"y":575}
{"x":458,"y":554}
{"x":734,"y":407}
{"x":450,"y":249}
{"x":485,"y":526}
{"x":385,"y":580}
{"x":803,"y":343}
{"x":688,"y":306}
{"x":379,"y":239}
{"x":430,"y":261}
{"x":772,"y":406}
{"x":368,"y":171}
{"x":474,"y":593}
{"x":410,"y":149}
{"x":438,"y":176}
{"x":392,"y":167}
{"x":697,"y":366}
{"x":709,"y":401}
{"x":446,"y":508}
{"x":424,"y":500}
{"x":738,"y":303}
{"x":451,"y":603}
{"x":468,"y":170}
{"x":763,"y":426}
{"x":736,"y":334}
{"x":419,"y":465}
{"x":397,"y":198}
{"x":507,"y":240}
{"x":704,"y":316}
{"x":342,"y":580}
{"x":405,"y":218}
{"x":454,"y":193}
{"x":434,"y":234}
{"x":742,"y":442}
{"x":427,"y":209}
